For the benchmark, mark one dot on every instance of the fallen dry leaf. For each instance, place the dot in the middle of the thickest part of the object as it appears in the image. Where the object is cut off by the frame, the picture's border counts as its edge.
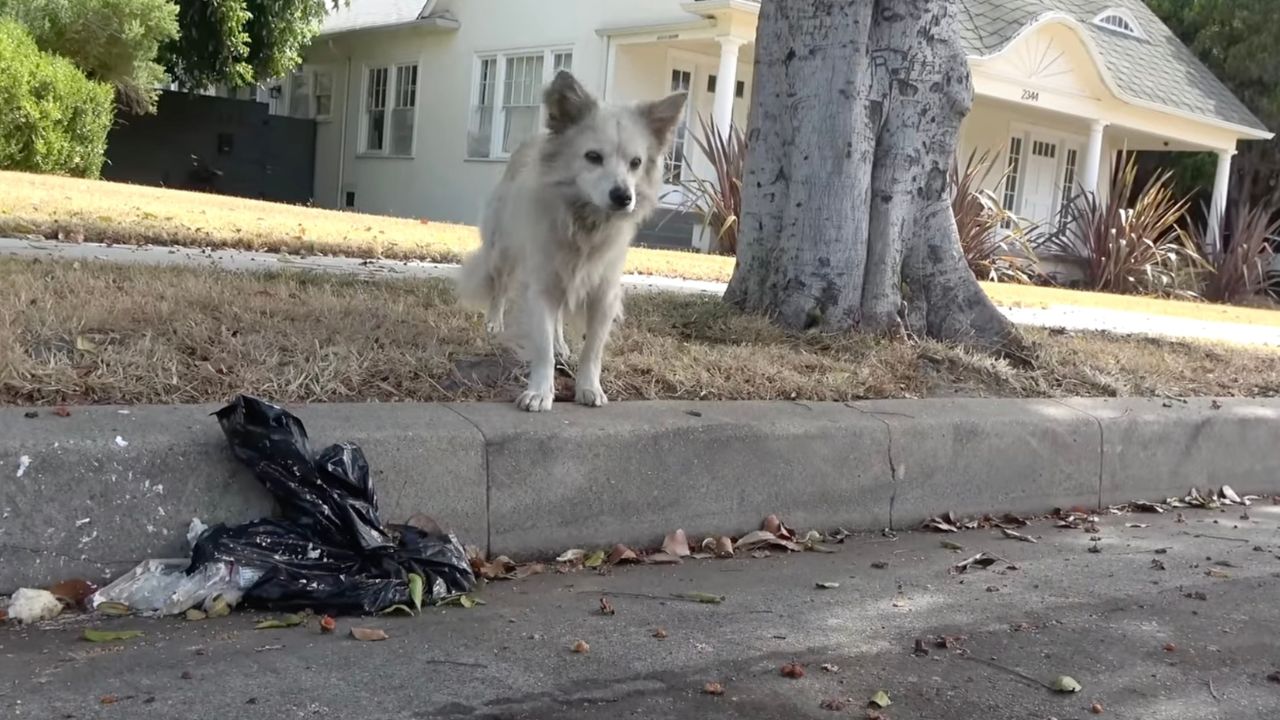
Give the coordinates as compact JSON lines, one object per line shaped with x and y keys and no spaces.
{"x":574,"y":555}
{"x":952,"y":545}
{"x":61,"y":411}
{"x":368,"y":634}
{"x":723,"y":547}
{"x":1216,"y":573}
{"x":676,"y":544}
{"x":775,"y":527}
{"x":830,"y":667}
{"x":73,"y":593}
{"x":761,"y":554}
{"x":942,"y":524}
{"x":328,"y":624}
{"x":713,"y":688}
{"x":1066,"y":684}
{"x":1157,"y":564}
{"x":1170,"y":647}
{"x":1137,"y":525}
{"x":1145,"y":506}
{"x":660,"y":633}
{"x":880,"y":699}
{"x":581,"y":647}
{"x":795,"y":671}
{"x":108,"y":700}
{"x":1096,"y":708}
{"x":622,"y":554}
{"x":982,"y":560}
{"x":762,"y":538}
{"x":880,"y":565}
{"x":501,"y":567}
{"x":1017,"y":536}
{"x":606,"y":607}
{"x":595,"y":559}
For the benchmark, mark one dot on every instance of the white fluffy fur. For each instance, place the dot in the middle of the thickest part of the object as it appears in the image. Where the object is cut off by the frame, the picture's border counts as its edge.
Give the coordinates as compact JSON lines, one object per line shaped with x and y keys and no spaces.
{"x":556,"y":229}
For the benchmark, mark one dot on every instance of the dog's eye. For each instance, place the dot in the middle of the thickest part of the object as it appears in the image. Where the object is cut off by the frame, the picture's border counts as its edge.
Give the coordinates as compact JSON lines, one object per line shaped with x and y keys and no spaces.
{"x":635,"y":163}
{"x":594,"y":157}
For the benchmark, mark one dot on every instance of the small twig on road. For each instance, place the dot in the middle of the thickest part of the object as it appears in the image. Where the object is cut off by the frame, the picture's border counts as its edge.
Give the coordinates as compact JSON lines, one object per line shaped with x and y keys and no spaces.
{"x":1220,"y":537}
{"x":646,"y":596}
{"x":1016,"y":673}
{"x":1213,"y":692}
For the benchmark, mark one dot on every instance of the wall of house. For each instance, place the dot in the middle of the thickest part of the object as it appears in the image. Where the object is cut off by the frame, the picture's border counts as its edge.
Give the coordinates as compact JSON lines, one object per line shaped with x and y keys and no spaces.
{"x":439,"y":181}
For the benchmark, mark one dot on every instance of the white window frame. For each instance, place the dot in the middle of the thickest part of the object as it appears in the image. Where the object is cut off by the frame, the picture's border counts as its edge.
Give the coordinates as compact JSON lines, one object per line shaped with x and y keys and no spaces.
{"x":1134,"y":29}
{"x":498,"y":129}
{"x":312,"y":73}
{"x":1064,"y":141}
{"x":393,"y":70}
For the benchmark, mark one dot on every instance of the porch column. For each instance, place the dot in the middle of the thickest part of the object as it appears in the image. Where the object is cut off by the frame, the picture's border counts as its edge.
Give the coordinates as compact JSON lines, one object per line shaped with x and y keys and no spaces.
{"x":1093,"y":157}
{"x":726,"y":82}
{"x":1218,"y":210}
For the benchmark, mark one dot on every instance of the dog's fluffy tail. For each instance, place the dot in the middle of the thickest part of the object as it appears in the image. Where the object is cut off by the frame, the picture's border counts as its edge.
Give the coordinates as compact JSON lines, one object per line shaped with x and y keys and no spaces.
{"x":475,"y":281}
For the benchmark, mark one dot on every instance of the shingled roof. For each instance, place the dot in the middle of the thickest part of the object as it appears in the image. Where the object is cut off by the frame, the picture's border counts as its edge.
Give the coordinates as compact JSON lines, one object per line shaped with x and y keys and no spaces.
{"x":1155,"y":68}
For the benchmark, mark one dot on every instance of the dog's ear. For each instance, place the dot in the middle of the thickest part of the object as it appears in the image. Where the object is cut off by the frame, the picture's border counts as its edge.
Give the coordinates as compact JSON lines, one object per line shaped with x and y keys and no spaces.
{"x":662,"y":115}
{"x":568,"y":103}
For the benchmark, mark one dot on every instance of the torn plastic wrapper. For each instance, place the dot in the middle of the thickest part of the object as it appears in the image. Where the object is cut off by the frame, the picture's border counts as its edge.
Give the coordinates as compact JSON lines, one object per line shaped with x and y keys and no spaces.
{"x":163,"y":587}
{"x":330,"y":551}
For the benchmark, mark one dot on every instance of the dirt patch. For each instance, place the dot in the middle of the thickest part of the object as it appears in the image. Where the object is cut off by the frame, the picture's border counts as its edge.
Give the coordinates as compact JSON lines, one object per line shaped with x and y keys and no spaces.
{"x":101,"y":333}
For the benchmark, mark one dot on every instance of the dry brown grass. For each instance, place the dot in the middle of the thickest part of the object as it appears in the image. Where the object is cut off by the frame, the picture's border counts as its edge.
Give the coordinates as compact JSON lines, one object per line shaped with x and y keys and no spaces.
{"x":98,"y":211}
{"x":98,"y":333}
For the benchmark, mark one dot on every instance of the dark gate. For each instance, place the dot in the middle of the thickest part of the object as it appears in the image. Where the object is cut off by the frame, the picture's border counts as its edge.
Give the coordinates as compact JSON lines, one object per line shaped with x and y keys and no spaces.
{"x":214,"y":144}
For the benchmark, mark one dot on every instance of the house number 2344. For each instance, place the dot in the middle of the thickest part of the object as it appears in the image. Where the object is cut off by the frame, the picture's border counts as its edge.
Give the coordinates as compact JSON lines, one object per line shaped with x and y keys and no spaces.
{"x":1031,"y":95}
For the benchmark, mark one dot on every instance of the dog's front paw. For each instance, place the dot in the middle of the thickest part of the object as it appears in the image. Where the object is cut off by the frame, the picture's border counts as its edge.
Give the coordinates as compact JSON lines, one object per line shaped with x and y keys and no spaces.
{"x":590,"y":396}
{"x":534,"y":401}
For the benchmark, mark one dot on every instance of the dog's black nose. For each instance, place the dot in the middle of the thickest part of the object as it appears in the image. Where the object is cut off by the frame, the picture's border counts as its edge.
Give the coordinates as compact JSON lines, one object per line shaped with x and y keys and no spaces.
{"x":620,"y":197}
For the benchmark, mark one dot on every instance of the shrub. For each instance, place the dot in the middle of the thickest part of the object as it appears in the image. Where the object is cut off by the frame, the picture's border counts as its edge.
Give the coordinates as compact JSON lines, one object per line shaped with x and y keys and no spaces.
{"x":55,"y":120}
{"x":719,"y":200}
{"x":1240,"y":271}
{"x":995,"y":242}
{"x":1130,"y":241}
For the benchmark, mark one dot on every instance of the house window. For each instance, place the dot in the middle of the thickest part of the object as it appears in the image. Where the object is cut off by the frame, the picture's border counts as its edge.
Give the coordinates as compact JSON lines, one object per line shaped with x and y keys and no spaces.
{"x":375,"y":111}
{"x":1013,"y":173}
{"x":300,"y":95}
{"x":506,"y":107}
{"x":739,"y":88}
{"x":403,"y":109}
{"x":390,"y":110}
{"x":1069,"y":176}
{"x":310,"y":94}
{"x":673,"y":167}
{"x":323,"y":97}
{"x":1120,"y":21}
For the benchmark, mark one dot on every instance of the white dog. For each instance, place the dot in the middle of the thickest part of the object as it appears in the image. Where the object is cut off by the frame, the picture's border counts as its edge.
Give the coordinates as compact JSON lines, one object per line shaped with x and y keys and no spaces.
{"x":555,"y":231}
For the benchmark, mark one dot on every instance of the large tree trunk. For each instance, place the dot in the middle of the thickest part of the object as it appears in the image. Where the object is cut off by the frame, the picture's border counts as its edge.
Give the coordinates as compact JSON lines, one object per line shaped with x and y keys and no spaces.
{"x":846,"y":220}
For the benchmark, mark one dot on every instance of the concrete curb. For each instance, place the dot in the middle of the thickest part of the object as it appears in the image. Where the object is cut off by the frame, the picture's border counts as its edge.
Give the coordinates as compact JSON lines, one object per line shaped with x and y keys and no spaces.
{"x":85,"y":505}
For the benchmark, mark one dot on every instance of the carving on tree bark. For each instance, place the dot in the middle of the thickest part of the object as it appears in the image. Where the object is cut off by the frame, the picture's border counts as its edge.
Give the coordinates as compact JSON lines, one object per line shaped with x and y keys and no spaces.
{"x":846,"y":221}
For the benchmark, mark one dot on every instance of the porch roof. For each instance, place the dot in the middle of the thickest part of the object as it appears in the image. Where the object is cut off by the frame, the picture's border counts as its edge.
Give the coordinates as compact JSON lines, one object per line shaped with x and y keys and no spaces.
{"x":1154,"y":70}
{"x":378,"y":14}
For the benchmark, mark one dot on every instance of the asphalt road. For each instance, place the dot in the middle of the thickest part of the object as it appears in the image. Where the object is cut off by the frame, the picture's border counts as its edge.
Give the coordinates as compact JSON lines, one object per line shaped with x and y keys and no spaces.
{"x":1196,"y":639}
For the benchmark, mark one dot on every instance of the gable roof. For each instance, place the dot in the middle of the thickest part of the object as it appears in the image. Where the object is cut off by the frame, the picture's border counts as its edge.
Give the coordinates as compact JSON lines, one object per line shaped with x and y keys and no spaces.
{"x":374,"y":14}
{"x":1155,"y":69}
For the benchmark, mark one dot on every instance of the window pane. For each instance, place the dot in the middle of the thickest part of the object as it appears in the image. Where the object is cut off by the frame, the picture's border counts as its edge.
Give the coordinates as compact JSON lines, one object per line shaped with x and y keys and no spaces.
{"x":522,"y":122}
{"x":300,"y":95}
{"x":563,"y":61}
{"x":402,"y":131}
{"x":480,"y":129}
{"x":406,"y":86}
{"x":324,"y":83}
{"x":375,"y":110}
{"x":521,"y":99}
{"x":324,"y":105}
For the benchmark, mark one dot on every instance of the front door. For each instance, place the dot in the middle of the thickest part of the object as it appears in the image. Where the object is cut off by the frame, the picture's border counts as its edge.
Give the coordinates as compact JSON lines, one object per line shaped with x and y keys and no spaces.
{"x":1042,"y":186}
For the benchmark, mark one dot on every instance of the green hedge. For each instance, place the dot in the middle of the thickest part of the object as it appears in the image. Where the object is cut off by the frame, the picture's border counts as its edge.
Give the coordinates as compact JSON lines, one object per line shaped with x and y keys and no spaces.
{"x":52,"y":118}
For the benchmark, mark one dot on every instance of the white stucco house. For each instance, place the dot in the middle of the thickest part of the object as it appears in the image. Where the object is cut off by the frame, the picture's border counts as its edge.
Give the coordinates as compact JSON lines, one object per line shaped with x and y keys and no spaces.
{"x":419,"y":102}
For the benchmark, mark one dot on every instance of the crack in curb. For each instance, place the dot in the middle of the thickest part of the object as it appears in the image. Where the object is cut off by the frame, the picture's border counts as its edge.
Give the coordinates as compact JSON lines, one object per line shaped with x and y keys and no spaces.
{"x":893,"y":465}
{"x":1102,"y":443}
{"x":488,"y":483}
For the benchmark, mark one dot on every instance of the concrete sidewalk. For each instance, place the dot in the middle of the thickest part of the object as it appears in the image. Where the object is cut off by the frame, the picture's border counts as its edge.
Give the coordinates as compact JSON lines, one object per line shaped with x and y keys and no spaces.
{"x":1147,"y":640}
{"x":92,"y":494}
{"x":1057,"y":316}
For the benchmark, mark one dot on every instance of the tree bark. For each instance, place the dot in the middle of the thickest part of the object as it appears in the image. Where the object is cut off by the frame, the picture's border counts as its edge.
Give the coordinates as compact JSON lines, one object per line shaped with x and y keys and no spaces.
{"x":846,"y":221}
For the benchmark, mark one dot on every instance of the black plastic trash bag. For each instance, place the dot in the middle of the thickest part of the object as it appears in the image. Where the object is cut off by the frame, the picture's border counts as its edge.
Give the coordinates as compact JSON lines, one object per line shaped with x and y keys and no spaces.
{"x":330,"y":551}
